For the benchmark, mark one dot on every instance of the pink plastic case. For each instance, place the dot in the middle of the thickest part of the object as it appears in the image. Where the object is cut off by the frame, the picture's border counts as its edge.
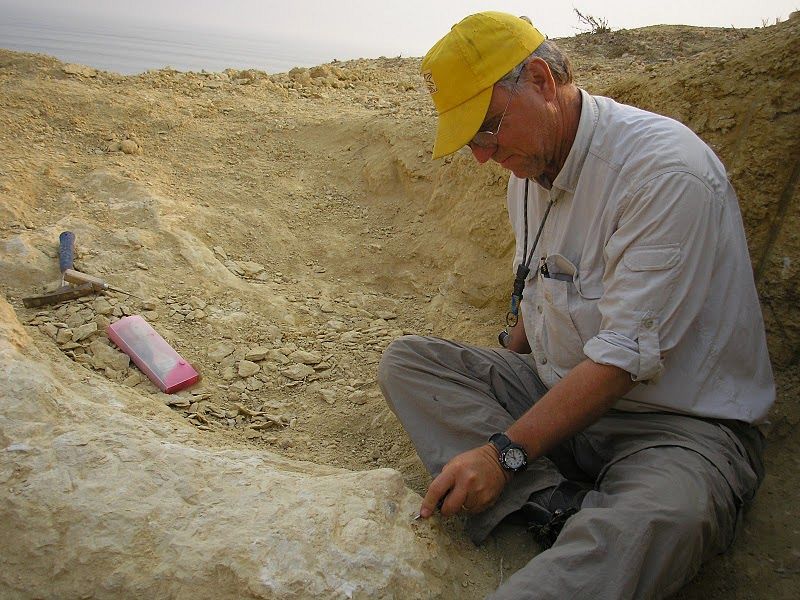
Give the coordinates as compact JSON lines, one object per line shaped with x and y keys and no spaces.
{"x":152,"y":354}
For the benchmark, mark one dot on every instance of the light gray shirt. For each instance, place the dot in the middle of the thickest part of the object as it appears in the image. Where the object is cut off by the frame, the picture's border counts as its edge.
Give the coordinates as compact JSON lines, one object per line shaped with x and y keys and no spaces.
{"x":648,"y":268}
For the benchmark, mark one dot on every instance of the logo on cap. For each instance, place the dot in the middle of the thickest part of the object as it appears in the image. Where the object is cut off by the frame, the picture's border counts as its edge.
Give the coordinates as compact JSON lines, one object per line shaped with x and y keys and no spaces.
{"x":429,"y":82}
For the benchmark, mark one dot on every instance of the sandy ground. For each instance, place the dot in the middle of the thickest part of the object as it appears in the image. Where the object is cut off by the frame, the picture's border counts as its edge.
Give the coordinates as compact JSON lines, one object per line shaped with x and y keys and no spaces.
{"x":283,"y":229}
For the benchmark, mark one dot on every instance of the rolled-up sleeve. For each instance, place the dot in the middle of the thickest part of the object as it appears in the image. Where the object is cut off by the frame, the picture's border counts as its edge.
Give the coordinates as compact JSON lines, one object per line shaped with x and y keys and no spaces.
{"x":657,"y":270}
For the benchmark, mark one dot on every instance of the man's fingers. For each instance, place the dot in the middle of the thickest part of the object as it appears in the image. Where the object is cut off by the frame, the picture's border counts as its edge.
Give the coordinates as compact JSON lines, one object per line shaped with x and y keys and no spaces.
{"x":444,"y":493}
{"x":454,"y":501}
{"x":437,"y":490}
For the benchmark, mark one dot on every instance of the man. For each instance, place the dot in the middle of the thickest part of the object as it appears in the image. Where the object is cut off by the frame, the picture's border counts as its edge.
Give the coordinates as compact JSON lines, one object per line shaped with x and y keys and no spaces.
{"x":620,"y":422}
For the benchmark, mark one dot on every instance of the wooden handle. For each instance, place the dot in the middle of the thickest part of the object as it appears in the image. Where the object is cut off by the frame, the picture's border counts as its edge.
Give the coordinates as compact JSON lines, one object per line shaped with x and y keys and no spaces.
{"x":74,"y":276}
{"x":60,"y":295}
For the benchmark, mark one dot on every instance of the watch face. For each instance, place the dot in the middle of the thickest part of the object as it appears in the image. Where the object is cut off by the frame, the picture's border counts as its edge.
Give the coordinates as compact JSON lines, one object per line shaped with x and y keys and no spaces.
{"x":514,"y":458}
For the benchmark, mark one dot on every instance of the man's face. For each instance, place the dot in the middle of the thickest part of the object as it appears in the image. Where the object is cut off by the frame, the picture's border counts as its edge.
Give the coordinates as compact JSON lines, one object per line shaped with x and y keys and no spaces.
{"x":526,"y":138}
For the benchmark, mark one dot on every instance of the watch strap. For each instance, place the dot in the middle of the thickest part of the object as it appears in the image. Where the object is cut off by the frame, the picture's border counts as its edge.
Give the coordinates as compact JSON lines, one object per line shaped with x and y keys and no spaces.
{"x":500,"y":441}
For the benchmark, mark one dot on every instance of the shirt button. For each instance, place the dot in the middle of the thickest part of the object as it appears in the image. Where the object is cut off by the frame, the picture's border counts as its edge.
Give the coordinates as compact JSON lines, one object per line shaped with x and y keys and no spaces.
{"x":543,"y":361}
{"x":648,"y":323}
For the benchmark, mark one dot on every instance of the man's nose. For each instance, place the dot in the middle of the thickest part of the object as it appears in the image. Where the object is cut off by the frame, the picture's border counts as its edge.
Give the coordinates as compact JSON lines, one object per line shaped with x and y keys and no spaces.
{"x":482,"y":154}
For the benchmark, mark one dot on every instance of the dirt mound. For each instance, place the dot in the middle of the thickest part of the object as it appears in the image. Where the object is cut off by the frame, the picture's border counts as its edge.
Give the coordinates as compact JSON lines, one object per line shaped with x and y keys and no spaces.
{"x":283,"y":229}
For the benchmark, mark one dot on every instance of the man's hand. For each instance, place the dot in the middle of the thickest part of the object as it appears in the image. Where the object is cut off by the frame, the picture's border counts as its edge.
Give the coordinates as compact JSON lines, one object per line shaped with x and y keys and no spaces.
{"x":517,"y":340}
{"x":471,"y":481}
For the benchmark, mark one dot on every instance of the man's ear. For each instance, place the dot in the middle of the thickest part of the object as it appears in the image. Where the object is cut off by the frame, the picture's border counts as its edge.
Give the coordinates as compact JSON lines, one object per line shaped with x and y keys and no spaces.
{"x":538,"y":74}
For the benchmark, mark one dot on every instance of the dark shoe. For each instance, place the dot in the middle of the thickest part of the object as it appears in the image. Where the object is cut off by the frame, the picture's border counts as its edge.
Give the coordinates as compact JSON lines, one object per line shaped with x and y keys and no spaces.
{"x":547,"y":511}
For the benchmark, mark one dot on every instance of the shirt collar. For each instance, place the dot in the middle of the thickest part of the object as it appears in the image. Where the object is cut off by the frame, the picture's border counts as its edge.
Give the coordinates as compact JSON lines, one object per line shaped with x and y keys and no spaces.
{"x":567,"y":178}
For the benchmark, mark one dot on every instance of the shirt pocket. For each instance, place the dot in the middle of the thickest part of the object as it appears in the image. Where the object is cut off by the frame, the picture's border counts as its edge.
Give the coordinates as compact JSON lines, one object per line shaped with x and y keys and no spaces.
{"x":570,"y":310}
{"x":648,"y":274}
{"x":652,"y":258}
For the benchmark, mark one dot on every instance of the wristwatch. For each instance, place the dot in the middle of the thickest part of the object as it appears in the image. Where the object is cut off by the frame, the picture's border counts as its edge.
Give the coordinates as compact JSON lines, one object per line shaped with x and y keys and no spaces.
{"x":512,"y":456}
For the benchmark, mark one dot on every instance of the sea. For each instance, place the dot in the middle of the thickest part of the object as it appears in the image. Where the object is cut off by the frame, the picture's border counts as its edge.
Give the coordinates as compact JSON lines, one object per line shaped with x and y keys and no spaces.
{"x":128,"y":48}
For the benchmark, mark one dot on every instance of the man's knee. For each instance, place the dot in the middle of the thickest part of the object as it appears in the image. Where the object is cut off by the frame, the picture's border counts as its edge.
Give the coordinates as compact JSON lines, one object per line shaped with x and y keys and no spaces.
{"x":393,"y":370}
{"x":687,"y":521}
{"x":696,"y":519}
{"x":400,"y":353}
{"x":706,"y":522}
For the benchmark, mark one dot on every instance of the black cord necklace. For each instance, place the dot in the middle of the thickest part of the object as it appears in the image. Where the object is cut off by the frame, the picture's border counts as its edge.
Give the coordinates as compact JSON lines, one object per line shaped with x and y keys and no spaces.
{"x":512,"y":316}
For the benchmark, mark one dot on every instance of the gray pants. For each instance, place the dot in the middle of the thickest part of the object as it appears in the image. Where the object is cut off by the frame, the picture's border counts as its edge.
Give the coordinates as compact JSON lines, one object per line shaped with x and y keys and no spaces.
{"x":668,"y":489}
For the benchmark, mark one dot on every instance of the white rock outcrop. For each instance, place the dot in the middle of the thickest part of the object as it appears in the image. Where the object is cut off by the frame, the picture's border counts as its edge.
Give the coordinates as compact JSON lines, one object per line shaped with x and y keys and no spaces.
{"x":105,"y":493}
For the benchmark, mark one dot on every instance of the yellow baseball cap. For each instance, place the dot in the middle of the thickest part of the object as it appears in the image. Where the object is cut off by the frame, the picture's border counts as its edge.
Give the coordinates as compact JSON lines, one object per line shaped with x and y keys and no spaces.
{"x":462,"y":68}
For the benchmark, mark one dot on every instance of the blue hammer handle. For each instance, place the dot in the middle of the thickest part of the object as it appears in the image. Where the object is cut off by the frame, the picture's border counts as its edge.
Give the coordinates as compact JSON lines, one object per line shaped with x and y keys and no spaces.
{"x":66,"y":250}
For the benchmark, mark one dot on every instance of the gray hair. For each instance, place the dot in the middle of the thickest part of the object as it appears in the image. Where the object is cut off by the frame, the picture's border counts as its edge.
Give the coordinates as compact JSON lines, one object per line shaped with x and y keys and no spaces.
{"x":550,"y":53}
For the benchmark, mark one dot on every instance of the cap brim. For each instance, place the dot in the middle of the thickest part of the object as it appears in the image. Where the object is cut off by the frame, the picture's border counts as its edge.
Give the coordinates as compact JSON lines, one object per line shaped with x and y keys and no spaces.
{"x":459,"y":125}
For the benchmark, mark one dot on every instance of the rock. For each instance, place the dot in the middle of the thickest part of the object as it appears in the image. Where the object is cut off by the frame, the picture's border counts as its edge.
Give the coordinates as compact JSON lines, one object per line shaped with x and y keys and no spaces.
{"x":233,"y":267}
{"x":130,"y":147}
{"x":50,"y":329}
{"x":278,"y":357}
{"x":84,"y":331}
{"x":133,"y":379}
{"x":248,"y":368}
{"x":106,"y":470}
{"x":288,"y":348}
{"x":329,"y":396}
{"x":84,"y":359}
{"x":251,"y":269}
{"x":75,"y":320}
{"x":350,"y":336}
{"x":336,"y":325}
{"x":254,"y":384}
{"x":219,"y":350}
{"x":177,"y":401}
{"x":150,"y":305}
{"x":111,"y":374}
{"x":151,"y":315}
{"x":104,"y":356}
{"x":385,"y":315}
{"x":103,"y":307}
{"x":197,"y":303}
{"x":306,"y":358}
{"x":250,"y":433}
{"x":257,"y":353}
{"x":297,"y":372}
{"x":103,"y":322}
{"x":359,"y":397}
{"x":64,"y":336}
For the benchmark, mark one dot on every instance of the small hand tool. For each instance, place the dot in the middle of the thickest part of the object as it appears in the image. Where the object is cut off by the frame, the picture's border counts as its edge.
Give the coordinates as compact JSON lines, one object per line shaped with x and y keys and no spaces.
{"x":66,"y":256}
{"x":98,"y":284}
{"x":86,"y":284}
{"x":438,"y":507}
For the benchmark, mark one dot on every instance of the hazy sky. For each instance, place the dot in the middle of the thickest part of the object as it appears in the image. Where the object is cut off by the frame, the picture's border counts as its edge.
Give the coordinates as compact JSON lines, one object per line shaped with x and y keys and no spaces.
{"x":399,"y":27}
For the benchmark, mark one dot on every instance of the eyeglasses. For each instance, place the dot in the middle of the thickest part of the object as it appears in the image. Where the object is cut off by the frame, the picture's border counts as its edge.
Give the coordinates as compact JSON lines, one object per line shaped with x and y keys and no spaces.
{"x":488,"y":139}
